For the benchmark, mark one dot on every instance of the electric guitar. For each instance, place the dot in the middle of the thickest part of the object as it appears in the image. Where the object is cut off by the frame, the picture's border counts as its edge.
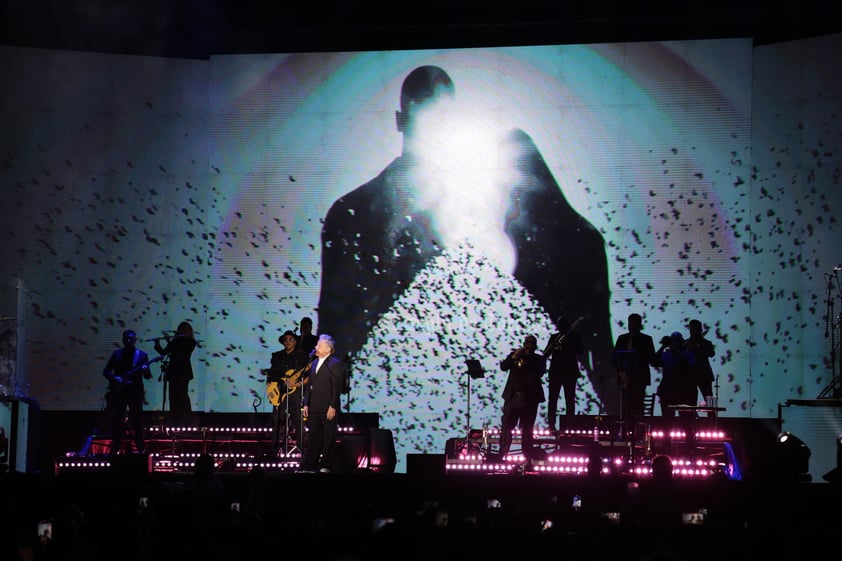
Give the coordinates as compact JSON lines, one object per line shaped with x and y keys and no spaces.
{"x":119,"y":383}
{"x":555,"y":344}
{"x":274,"y":392}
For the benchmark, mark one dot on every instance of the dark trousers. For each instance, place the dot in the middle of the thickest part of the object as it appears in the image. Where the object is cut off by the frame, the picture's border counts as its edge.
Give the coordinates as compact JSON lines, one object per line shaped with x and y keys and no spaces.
{"x":633,"y":401}
{"x":180,"y":408}
{"x":512,"y":415}
{"x":118,"y":402}
{"x":320,"y":441}
{"x":556,"y":384}
{"x":706,"y":387}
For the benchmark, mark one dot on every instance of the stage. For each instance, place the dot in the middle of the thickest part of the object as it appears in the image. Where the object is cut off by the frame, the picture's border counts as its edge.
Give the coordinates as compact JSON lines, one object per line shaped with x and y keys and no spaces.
{"x":706,"y":445}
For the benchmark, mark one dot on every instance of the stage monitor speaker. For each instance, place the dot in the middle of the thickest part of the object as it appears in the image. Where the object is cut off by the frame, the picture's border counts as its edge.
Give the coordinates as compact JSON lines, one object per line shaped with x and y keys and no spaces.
{"x":383,"y":457}
{"x":131,"y":465}
{"x":359,"y":420}
{"x":351,"y":453}
{"x":425,"y":466}
{"x":372,"y":450}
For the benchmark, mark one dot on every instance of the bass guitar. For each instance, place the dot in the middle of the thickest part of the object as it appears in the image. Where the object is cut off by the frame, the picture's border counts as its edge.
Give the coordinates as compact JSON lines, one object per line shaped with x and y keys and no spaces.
{"x":277,"y":395}
{"x":119,"y":383}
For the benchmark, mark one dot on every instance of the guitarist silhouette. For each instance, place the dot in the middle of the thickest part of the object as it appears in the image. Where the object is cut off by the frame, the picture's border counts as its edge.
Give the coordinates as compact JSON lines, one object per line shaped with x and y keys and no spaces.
{"x":283,"y":387}
{"x":125,"y":371}
{"x":565,"y":350}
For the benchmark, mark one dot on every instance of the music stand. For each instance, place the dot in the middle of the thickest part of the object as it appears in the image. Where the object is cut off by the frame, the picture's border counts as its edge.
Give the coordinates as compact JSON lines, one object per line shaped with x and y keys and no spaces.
{"x":475,"y":372}
{"x":626,"y":360}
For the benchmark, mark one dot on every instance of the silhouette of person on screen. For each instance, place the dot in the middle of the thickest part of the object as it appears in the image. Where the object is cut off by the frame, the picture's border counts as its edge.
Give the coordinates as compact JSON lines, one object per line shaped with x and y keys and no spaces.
{"x":378,"y":237}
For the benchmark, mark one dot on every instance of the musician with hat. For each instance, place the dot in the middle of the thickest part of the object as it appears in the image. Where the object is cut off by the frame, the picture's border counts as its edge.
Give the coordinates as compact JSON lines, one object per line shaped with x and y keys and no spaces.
{"x":284,"y":380}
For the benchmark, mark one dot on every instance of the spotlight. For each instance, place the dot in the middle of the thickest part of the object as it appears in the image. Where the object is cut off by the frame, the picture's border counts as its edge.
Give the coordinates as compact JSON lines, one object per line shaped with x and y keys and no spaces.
{"x":793,"y":458}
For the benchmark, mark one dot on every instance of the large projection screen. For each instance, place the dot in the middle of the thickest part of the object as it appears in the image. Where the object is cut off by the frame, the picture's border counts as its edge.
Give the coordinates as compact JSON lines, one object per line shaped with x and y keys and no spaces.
{"x":592,"y":181}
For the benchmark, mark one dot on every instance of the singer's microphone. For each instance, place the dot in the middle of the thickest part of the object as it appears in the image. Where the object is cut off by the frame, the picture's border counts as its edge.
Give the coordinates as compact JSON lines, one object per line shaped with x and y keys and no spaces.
{"x":312,"y":354}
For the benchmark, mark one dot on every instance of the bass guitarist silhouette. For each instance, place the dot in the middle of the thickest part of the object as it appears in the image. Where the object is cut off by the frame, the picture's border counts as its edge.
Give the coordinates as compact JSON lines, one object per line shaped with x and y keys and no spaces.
{"x":125,"y":371}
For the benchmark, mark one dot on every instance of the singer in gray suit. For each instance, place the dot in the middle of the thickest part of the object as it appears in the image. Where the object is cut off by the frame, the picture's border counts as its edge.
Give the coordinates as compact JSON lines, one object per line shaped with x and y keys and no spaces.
{"x":321,"y":405}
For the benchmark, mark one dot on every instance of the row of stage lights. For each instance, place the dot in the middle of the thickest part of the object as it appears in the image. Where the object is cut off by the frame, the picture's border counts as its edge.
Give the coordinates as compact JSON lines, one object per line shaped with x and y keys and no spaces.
{"x":158,"y":430}
{"x":600,"y":434}
{"x":183,"y":462}
{"x":580,"y":465}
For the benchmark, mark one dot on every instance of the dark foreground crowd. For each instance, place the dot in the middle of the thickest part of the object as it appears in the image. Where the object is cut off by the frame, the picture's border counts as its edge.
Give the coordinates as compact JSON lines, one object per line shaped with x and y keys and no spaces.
{"x":374,"y":517}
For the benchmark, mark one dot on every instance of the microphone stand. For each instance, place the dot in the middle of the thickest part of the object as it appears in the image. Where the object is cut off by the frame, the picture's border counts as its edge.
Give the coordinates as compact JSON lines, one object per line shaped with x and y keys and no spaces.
{"x":300,"y":436}
{"x":716,"y":389}
{"x":163,"y":376}
{"x":299,"y":442}
{"x":832,"y":328}
{"x":165,"y":362}
{"x":347,"y":388}
{"x":287,"y":425}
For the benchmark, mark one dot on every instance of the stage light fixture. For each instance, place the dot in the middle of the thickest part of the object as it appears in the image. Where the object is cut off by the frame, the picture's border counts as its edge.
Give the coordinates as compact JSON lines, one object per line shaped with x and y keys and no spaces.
{"x":794,"y":458}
